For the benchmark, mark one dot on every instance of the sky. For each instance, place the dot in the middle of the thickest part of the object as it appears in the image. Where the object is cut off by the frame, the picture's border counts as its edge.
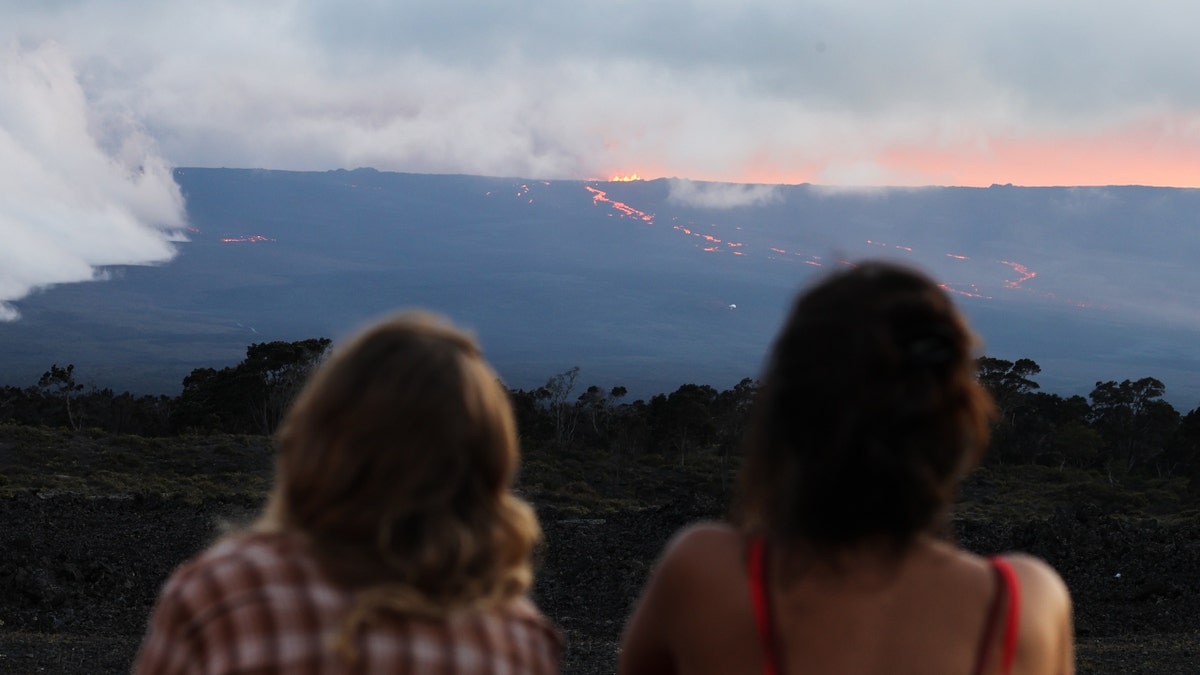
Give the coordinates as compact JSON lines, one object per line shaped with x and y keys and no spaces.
{"x":100,"y":98}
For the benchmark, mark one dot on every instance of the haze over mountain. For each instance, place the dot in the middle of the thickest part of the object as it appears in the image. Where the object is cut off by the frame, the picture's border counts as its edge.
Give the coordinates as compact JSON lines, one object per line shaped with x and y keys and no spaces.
{"x":646,"y":284}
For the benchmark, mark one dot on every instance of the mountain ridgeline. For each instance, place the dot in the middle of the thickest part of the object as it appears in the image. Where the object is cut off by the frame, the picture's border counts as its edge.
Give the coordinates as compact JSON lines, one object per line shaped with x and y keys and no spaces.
{"x":641,"y":284}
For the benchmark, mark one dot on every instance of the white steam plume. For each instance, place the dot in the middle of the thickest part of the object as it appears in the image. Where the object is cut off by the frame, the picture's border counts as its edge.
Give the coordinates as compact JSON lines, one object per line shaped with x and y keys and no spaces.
{"x":720,"y":195}
{"x":78,"y":190}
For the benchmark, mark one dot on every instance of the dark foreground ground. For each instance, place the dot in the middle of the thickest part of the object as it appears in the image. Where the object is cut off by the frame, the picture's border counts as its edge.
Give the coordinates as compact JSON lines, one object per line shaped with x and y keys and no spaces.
{"x":78,"y":576}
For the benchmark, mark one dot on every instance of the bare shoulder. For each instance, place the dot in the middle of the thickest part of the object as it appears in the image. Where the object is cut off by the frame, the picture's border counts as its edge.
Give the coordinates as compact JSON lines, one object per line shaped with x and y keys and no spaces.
{"x":1039,"y":580}
{"x":704,"y":538}
{"x":700,"y":556}
{"x":701,"y":551}
{"x":1046,"y":624}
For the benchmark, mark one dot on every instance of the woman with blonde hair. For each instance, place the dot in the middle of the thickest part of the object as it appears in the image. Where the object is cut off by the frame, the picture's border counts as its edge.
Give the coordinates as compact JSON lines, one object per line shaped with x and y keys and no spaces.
{"x":391,"y":541}
{"x":836,"y":560}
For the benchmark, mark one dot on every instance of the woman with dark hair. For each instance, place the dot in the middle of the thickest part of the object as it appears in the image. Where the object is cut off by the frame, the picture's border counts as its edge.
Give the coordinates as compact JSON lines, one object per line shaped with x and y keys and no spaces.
{"x":391,"y":543}
{"x":837,"y":559}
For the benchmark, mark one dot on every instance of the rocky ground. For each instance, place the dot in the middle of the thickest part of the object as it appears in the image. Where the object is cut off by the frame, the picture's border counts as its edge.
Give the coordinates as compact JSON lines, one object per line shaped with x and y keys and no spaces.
{"x":78,"y":576}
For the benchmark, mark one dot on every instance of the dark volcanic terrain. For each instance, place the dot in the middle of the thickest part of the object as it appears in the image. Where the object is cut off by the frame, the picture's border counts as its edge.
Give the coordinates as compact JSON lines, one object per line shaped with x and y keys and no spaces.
{"x":86,"y":547}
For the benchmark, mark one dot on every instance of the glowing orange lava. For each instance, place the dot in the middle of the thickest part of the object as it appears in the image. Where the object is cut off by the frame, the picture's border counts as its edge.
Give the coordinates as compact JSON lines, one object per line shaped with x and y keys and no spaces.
{"x":599,"y":196}
{"x":710,"y":240}
{"x":880,"y":243}
{"x":972,"y":293}
{"x":625,"y":179}
{"x":1025,"y":272}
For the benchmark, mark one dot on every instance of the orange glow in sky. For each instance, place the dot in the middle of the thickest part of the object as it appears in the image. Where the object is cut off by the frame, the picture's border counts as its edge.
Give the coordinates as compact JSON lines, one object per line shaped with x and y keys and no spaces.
{"x":1163,"y":154}
{"x":1138,"y":157}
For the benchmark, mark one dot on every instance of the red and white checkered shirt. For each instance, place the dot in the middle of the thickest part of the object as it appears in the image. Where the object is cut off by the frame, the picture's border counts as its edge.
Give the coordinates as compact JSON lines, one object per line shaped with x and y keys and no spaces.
{"x":257,"y":603}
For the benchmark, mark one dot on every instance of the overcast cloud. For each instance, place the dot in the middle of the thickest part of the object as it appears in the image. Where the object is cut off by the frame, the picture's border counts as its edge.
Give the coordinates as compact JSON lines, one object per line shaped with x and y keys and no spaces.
{"x":838,"y":93}
{"x":762,"y":90}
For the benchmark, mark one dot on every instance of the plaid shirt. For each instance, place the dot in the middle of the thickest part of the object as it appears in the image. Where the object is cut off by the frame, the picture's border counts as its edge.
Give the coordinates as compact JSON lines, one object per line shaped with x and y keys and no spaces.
{"x":257,"y":603}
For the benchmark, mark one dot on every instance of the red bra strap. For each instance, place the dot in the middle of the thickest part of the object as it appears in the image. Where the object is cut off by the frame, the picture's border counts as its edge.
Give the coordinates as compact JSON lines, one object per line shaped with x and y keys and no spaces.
{"x":1007,"y":588}
{"x":1013,"y":586}
{"x":756,"y":565}
{"x":989,"y":629}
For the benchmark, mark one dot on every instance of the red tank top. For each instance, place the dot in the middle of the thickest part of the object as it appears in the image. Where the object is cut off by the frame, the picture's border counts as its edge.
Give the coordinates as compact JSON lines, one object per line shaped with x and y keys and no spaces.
{"x":1007,"y":588}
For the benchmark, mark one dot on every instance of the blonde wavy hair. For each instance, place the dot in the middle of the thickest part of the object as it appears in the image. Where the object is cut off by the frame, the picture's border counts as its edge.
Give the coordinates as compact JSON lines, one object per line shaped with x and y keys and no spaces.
{"x":396,"y":463}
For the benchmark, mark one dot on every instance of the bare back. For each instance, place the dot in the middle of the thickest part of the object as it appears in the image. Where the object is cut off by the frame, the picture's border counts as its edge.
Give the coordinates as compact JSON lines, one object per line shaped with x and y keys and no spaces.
{"x":924,"y":613}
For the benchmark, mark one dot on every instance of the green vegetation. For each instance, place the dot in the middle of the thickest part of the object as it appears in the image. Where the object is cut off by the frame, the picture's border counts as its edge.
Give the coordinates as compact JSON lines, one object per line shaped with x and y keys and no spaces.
{"x":587,"y":449}
{"x":573,"y":481}
{"x":99,"y":464}
{"x":1017,"y":493}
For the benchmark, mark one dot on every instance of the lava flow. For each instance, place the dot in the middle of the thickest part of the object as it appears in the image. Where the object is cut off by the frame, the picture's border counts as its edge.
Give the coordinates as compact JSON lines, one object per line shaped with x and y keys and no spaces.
{"x":599,"y":196}
{"x":711,"y":241}
{"x":972,"y":293}
{"x":880,"y":243}
{"x":1025,"y":272}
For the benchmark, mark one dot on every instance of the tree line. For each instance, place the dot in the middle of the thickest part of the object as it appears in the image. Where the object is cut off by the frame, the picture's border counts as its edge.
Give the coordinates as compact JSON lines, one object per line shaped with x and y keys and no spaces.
{"x":248,"y":398}
{"x":1120,"y":428}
